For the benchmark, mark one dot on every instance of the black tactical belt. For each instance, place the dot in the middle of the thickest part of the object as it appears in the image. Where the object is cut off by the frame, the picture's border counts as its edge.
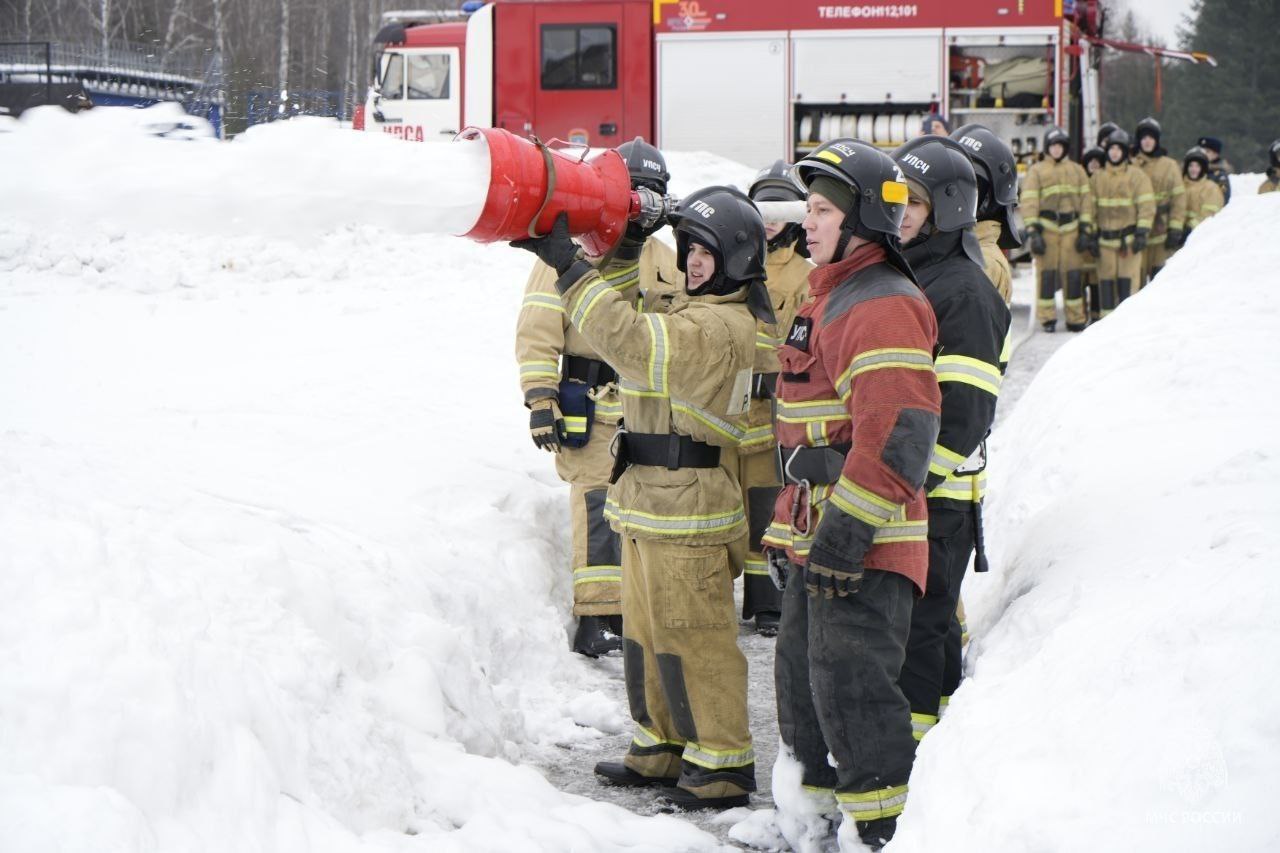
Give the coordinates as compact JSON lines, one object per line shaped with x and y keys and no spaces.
{"x":1060,"y":218}
{"x":592,"y":371}
{"x":666,"y":450}
{"x":816,"y":465}
{"x":764,"y":386}
{"x":1117,"y":234}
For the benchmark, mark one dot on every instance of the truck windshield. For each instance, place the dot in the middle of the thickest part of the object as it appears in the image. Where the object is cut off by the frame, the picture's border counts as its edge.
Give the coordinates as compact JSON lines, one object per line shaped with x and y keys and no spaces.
{"x":429,"y":76}
{"x":391,"y":85}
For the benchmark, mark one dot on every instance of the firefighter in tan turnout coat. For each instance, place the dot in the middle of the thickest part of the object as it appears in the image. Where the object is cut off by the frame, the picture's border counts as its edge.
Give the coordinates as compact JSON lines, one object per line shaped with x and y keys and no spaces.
{"x":574,"y":406}
{"x":1125,"y":208}
{"x":788,"y":268}
{"x":685,"y":377}
{"x":1056,"y":206}
{"x":1167,"y":229}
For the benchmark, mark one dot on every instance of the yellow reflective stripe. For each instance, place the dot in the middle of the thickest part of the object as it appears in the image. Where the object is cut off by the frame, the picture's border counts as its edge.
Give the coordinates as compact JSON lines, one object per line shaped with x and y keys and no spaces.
{"x":657,"y":370}
{"x":764,"y":341}
{"x":608,"y":409}
{"x":756,"y":567}
{"x":529,"y":369}
{"x":587,"y":300}
{"x":921,"y":723}
{"x":717,"y":759}
{"x":1006,"y":351}
{"x":863,"y":504}
{"x":597,"y":574}
{"x":645,"y":738}
{"x":811,"y":411}
{"x":1146,"y":197}
{"x":550,"y":301}
{"x":731,"y":431}
{"x":1124,"y":201}
{"x":970,"y":371}
{"x":901,"y":531}
{"x":1030,"y":193}
{"x":873,"y":805}
{"x":575,"y":423}
{"x":962,"y":487}
{"x":944,"y":461}
{"x":624,"y":277}
{"x":879,"y":359}
{"x":756,"y":436}
{"x":672,"y":524}
{"x":1059,"y":189}
{"x":630,"y":390}
{"x":1143,"y":223}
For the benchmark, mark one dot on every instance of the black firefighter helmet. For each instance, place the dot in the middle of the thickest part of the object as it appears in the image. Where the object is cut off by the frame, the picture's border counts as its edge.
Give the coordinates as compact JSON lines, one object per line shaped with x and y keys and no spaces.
{"x":1091,"y":154}
{"x":725,"y":221}
{"x":1057,"y":136}
{"x":940,"y":166}
{"x":776,"y":184}
{"x":1196,"y":155}
{"x":879,"y":193}
{"x":1121,"y":138}
{"x":997,"y":174}
{"x":1105,"y":131}
{"x":645,"y":164}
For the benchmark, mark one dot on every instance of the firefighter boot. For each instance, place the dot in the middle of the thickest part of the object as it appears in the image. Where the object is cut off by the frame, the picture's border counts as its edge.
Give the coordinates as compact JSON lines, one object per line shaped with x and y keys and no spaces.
{"x":595,"y":637}
{"x":1123,"y":289}
{"x":767,"y":623}
{"x":619,"y":774}
{"x":1074,"y":300}
{"x":877,"y":833}
{"x":1106,"y":296}
{"x":1046,"y":305}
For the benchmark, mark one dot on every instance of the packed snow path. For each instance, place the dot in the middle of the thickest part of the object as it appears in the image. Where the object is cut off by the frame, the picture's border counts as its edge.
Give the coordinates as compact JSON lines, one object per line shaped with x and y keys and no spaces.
{"x":571,"y":768}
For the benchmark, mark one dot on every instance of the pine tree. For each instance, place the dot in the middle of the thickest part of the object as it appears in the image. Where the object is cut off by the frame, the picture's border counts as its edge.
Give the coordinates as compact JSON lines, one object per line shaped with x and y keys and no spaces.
{"x":1239,"y":101}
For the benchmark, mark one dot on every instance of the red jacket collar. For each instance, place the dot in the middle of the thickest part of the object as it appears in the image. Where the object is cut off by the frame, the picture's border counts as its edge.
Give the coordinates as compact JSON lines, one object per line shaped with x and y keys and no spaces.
{"x":826,"y":277}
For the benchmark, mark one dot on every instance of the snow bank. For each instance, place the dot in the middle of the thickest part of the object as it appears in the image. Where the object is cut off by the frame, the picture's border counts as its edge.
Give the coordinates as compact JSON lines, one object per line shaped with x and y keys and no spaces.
{"x":279,"y":569}
{"x":1121,"y":692}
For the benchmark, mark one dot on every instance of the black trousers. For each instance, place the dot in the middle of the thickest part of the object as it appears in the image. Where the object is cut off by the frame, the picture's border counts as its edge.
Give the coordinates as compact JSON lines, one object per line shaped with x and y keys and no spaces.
{"x":927,"y":673}
{"x":836,"y":672}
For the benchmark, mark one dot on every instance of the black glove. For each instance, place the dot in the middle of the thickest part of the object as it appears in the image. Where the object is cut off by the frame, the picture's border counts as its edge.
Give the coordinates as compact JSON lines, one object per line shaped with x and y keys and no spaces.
{"x":1093,"y":244}
{"x":828,"y":582}
{"x":779,"y":567}
{"x":555,"y":249}
{"x":1035,"y":238}
{"x":546,"y":424}
{"x":1139,"y":240}
{"x":1175,"y":239}
{"x":1083,"y":240}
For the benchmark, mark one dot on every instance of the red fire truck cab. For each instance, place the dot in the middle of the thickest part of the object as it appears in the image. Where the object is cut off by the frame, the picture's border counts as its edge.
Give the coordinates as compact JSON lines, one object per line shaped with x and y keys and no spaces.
{"x":752,"y":80}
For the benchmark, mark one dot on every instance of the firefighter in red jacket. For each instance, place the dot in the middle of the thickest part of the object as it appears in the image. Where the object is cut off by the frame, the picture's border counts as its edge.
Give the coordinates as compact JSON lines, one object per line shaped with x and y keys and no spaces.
{"x":858,"y":407}
{"x":973,"y":341}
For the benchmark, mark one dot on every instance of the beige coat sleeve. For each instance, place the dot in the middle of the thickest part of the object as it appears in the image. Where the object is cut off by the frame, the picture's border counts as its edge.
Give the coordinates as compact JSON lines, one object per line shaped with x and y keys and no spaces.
{"x":1029,"y":200}
{"x":685,"y":354}
{"x":1086,"y":196}
{"x":540,"y":335}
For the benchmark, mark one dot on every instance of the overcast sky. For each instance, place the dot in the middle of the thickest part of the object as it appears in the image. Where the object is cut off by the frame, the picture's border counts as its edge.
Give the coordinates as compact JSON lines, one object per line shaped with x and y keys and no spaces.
{"x":1161,"y":17}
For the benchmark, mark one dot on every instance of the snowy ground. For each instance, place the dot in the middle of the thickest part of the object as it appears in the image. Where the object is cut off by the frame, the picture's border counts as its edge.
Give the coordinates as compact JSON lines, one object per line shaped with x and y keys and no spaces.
{"x":279,"y":569}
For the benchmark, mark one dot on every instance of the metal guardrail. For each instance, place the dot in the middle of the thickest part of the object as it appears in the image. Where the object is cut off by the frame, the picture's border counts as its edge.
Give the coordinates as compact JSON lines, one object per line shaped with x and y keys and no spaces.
{"x":195,"y":68}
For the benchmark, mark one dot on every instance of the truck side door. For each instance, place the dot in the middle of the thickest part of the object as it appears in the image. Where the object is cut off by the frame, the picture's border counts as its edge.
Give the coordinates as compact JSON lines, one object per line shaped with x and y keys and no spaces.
{"x":579,"y":89}
{"x":419,"y":94}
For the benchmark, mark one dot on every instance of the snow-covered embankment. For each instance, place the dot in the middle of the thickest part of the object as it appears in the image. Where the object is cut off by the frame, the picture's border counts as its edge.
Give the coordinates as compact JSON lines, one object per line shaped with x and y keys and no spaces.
{"x":1122,"y":692}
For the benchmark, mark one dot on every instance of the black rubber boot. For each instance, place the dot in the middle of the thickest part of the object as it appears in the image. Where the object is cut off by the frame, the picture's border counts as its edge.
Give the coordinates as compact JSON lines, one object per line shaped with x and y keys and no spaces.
{"x":618,"y":773}
{"x":767,"y":623}
{"x":1075,"y":327}
{"x":679,"y":798}
{"x":595,"y":637}
{"x":877,"y":833}
{"x":1050,"y":326}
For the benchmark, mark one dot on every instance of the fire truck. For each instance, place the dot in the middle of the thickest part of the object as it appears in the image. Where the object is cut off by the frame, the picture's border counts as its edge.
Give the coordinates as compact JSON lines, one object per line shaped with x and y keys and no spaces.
{"x":751,"y":80}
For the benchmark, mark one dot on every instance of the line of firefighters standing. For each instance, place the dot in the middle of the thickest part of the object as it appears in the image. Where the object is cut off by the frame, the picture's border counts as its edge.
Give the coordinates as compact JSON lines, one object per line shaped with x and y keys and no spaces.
{"x":805,"y":405}
{"x":1102,"y":228}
